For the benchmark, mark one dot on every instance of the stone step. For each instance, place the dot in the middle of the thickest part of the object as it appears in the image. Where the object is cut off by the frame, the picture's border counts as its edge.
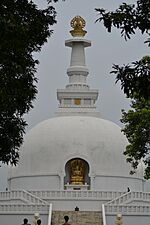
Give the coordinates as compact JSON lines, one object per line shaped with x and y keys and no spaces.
{"x":77,"y":217}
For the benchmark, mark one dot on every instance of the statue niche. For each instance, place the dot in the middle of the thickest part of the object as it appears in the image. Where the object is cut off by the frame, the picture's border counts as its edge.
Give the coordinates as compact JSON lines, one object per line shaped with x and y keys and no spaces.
{"x":77,"y":172}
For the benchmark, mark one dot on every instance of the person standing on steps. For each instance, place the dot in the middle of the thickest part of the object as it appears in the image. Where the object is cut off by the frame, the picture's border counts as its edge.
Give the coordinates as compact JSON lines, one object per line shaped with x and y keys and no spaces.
{"x":25,"y":222}
{"x":38,"y":222}
{"x":66,"y":218}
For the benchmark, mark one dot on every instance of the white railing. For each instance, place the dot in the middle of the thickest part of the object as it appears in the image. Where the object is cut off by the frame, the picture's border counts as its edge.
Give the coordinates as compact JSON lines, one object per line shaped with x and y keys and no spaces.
{"x":127,"y":209}
{"x":120,"y":204}
{"x":120,"y":200}
{"x":20,"y":208}
{"x":103,"y":214}
{"x":129,"y":197}
{"x":96,"y":195}
{"x":141,"y":195}
{"x":21,"y":195}
{"x":50,"y":214}
{"x":34,"y":200}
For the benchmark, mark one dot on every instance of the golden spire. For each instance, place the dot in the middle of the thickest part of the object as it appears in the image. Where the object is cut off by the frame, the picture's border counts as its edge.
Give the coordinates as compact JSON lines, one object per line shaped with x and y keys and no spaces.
{"x":78,"y":23}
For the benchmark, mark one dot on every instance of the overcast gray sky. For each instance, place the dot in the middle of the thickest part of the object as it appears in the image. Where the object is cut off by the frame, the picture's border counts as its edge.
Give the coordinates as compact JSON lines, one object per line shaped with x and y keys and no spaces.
{"x":107,"y":48}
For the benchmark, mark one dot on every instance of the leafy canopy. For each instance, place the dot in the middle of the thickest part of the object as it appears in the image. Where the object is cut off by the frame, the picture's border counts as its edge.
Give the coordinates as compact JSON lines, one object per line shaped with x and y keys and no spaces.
{"x":24,"y":30}
{"x":137,"y":130}
{"x":128,"y":18}
{"x":134,"y":79}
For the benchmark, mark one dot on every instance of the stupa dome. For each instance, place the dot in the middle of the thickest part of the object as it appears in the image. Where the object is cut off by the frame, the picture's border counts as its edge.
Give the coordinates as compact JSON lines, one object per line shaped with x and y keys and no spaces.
{"x":52,"y":143}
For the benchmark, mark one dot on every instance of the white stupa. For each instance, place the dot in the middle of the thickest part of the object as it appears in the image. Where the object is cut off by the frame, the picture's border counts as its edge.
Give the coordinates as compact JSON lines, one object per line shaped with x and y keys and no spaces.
{"x":76,"y":150}
{"x":75,"y":161}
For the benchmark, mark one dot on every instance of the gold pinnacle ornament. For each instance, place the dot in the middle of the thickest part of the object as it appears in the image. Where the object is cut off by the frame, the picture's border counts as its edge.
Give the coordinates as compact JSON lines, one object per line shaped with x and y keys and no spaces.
{"x":78,"y":23}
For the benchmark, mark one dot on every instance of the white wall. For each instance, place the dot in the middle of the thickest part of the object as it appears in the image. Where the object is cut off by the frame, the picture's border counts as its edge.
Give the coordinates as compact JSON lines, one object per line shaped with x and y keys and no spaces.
{"x":40,"y":183}
{"x":130,"y":220}
{"x":110,"y":183}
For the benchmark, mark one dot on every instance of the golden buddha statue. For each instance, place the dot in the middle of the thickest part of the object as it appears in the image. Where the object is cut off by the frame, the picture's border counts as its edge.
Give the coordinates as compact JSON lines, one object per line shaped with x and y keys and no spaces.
{"x":78,"y":23}
{"x":77,"y":172}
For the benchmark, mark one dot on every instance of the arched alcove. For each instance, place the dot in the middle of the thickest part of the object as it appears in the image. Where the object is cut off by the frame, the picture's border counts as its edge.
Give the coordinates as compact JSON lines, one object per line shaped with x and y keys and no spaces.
{"x":77,"y":174}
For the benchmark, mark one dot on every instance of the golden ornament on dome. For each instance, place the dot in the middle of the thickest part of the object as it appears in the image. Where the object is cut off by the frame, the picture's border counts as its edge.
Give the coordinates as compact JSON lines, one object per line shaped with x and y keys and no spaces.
{"x":78,"y":23}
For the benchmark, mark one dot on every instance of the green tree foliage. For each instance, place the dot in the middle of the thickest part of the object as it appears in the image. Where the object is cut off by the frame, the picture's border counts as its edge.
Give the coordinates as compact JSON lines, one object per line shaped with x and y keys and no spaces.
{"x":137,"y":130}
{"x":135,"y":80}
{"x":128,"y":18}
{"x":23,"y":30}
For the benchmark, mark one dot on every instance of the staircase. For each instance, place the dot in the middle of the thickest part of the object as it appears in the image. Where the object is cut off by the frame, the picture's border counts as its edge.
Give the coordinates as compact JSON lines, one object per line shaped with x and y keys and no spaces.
{"x":77,"y":217}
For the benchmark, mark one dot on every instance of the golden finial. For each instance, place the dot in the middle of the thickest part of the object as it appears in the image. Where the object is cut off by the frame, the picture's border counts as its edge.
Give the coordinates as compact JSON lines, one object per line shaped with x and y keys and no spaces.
{"x":78,"y":23}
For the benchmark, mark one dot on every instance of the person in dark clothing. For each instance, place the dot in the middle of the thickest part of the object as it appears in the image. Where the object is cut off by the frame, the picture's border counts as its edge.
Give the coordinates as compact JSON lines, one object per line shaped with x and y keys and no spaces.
{"x":38,"y":222}
{"x":66,"y":218}
{"x":25,"y":222}
{"x":128,"y":189}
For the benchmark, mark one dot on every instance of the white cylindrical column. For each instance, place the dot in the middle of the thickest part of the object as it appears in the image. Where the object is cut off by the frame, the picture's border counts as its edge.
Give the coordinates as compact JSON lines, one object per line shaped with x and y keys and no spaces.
{"x":77,"y":71}
{"x":77,"y":54}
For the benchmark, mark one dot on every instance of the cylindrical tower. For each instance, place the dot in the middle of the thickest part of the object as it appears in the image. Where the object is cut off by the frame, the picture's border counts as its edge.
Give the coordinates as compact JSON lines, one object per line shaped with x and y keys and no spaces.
{"x":77,"y":98}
